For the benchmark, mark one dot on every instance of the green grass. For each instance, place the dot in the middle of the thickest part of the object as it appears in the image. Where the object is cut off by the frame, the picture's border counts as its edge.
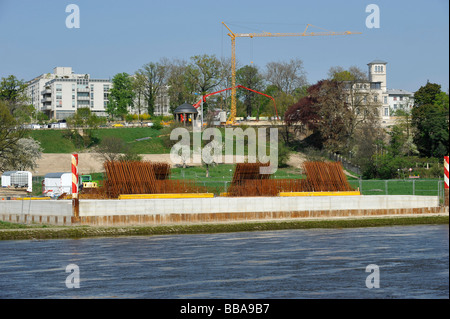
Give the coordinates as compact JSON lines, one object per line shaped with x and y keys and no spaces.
{"x":11,"y":231}
{"x":53,"y":141}
{"x":425,"y":187}
{"x":153,"y":145}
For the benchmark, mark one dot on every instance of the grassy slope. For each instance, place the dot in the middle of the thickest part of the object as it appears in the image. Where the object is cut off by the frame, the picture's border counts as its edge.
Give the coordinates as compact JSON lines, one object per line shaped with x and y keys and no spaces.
{"x":53,"y":141}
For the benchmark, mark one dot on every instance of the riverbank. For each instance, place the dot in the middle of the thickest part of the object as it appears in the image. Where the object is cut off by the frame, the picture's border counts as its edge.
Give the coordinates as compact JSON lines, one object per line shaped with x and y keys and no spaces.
{"x":12,"y":231}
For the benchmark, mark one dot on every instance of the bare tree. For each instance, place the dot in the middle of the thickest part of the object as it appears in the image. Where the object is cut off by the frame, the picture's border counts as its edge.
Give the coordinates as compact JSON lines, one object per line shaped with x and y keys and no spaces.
{"x":286,"y":76}
{"x":361,"y":98}
{"x":113,"y":148}
{"x":155,"y":75}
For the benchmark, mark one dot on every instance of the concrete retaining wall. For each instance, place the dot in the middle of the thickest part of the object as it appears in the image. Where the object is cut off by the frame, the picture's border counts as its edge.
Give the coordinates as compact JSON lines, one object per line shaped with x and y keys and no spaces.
{"x":36,"y":211}
{"x":218,"y":209}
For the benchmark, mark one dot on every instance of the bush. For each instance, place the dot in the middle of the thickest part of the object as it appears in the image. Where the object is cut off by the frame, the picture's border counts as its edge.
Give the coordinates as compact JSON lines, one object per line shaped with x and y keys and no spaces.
{"x":388,"y":166}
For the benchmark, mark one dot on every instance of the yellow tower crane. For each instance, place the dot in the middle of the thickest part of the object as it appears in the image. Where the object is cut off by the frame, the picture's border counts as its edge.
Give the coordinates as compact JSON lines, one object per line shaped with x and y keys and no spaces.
{"x":233,"y":37}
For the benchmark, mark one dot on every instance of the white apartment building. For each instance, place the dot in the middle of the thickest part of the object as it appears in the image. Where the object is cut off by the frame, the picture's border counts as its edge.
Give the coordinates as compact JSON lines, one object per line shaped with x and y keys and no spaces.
{"x":400,"y":100}
{"x":60,"y":93}
{"x":162,"y":101}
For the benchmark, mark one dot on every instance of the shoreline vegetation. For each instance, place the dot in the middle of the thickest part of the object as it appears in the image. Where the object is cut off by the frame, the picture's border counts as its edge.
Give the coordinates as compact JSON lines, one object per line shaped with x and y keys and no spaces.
{"x":13,"y":231}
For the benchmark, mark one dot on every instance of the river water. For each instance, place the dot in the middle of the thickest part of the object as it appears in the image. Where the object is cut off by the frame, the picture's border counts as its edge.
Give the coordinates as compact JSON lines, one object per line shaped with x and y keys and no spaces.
{"x":412,"y":261}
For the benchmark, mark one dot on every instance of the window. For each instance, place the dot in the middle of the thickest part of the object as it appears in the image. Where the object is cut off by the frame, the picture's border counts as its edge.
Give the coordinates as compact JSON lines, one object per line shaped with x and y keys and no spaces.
{"x":58,"y":87}
{"x":395,"y":98}
{"x":385,"y":100}
{"x":375,"y":98}
{"x":386,"y":111}
{"x":375,"y":85}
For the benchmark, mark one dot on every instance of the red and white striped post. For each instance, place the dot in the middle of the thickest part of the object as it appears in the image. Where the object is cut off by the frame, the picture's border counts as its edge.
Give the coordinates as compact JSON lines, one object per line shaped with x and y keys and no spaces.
{"x":446,"y":190}
{"x":75,"y":203}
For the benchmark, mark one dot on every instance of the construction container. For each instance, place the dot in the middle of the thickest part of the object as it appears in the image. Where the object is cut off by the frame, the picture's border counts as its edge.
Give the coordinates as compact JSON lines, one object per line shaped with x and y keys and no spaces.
{"x":18,"y":179}
{"x":56,"y":184}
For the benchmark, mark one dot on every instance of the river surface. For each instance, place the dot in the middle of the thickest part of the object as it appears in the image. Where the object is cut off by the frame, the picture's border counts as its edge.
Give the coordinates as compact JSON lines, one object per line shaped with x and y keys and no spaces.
{"x":412,"y":261}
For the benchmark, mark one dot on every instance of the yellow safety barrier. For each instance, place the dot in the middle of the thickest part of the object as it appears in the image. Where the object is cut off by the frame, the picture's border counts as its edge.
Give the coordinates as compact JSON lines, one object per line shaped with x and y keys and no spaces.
{"x":293,"y":194}
{"x":156,"y":196}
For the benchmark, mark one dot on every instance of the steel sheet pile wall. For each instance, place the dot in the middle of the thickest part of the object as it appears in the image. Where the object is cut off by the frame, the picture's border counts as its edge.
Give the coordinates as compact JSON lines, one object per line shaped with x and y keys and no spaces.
{"x":320,"y":177}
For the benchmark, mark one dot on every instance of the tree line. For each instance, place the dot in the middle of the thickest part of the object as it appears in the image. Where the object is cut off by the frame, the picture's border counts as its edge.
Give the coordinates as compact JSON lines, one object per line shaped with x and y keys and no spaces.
{"x":187,"y":80}
{"x":17,"y":151}
{"x":341,"y":114}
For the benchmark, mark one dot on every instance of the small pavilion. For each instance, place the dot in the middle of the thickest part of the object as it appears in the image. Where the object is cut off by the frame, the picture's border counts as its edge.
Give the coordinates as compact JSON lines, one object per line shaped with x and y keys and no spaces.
{"x":185,"y":112}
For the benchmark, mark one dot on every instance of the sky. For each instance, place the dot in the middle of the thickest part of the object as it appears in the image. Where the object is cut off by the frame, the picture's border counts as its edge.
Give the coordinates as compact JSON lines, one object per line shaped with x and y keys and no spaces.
{"x":122,"y":36}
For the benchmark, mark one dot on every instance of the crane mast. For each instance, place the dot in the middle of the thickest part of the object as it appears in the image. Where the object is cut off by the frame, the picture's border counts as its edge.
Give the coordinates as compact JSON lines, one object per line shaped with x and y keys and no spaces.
{"x":233,"y":37}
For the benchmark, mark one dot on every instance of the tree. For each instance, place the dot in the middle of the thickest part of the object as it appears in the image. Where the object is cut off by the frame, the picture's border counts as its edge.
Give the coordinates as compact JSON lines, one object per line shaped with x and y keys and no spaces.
{"x":154,"y":77}
{"x":177,"y":79}
{"x":430,"y":118}
{"x":121,"y":96}
{"x":323,"y":111}
{"x":363,"y":103}
{"x":211,"y":154}
{"x":204,"y":75}
{"x":88,"y":122}
{"x":139,"y":86}
{"x":334,"y":110}
{"x":286,"y":76}
{"x":24,"y":157}
{"x":432,"y":129}
{"x":10,"y":134}
{"x":12,"y":90}
{"x":249,"y":77}
{"x":426,"y":94}
{"x":112,"y":148}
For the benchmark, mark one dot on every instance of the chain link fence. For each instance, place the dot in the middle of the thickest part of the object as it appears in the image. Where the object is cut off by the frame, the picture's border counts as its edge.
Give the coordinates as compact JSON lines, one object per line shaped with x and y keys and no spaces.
{"x":368,"y":187}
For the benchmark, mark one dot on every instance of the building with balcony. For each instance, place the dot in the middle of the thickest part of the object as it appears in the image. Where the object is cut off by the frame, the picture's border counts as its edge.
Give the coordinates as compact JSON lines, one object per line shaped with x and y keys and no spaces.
{"x":374,"y":91}
{"x":61,"y":93}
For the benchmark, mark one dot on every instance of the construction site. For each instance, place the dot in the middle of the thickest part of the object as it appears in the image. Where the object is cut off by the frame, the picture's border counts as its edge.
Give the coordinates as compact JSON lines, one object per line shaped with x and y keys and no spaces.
{"x":142,"y":193}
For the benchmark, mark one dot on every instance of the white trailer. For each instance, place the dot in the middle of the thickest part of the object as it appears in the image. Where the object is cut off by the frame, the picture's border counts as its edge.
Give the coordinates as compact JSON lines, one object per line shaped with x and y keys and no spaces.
{"x":18,"y":179}
{"x":56,"y":184}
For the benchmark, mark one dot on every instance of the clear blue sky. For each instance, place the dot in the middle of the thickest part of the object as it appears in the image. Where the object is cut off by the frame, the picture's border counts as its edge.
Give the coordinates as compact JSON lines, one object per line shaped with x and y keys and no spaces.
{"x":121,"y":36}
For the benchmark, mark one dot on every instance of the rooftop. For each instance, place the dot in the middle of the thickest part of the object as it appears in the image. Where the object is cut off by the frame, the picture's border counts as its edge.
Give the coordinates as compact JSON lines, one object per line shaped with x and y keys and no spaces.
{"x":377,"y":62}
{"x":399,"y":92}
